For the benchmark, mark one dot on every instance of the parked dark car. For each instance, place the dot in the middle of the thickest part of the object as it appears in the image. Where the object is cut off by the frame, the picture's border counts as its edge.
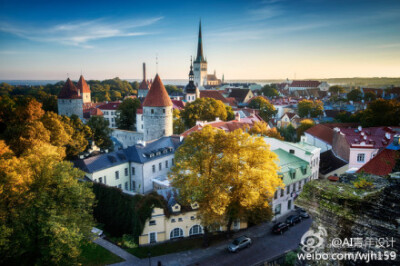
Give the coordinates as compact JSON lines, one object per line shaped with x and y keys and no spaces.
{"x":280,"y":228}
{"x":303,"y":214}
{"x":239,"y":243}
{"x":293,"y":219}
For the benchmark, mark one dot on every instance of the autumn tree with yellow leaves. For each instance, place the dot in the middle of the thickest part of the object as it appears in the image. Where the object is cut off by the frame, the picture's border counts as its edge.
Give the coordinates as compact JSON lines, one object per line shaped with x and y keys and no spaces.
{"x":227,"y":174}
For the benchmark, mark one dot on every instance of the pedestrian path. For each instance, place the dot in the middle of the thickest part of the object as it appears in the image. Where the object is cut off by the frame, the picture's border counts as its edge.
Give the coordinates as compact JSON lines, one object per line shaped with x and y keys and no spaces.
{"x":128,"y":257}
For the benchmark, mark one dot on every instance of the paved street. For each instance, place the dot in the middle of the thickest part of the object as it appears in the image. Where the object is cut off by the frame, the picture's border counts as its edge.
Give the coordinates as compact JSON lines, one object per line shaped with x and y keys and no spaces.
{"x":265,"y":246}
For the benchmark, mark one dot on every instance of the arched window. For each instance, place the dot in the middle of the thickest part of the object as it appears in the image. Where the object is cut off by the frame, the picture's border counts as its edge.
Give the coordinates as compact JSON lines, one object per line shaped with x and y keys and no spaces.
{"x":175,"y":233}
{"x":195,"y":230}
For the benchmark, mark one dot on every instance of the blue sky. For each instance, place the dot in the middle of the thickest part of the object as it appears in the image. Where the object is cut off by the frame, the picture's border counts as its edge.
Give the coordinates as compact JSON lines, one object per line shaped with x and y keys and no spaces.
{"x":243,"y":39}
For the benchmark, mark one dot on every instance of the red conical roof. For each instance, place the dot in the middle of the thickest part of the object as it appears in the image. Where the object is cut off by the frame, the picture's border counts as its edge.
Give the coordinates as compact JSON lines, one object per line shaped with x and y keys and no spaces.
{"x":69,"y":91}
{"x":157,"y":96}
{"x":144,"y":85}
{"x":83,"y":86}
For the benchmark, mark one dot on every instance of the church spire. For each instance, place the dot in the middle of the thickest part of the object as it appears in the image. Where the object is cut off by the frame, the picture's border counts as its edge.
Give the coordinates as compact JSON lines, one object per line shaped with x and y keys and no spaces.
{"x":200,"y":56}
{"x":191,"y":74}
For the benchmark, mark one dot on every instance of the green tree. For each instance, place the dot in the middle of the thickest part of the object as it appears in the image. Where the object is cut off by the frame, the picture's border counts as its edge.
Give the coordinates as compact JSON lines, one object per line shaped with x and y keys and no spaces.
{"x":172,"y":88}
{"x":203,"y":109}
{"x":304,"y":125}
{"x":126,"y":113}
{"x":336,"y":89}
{"x":270,"y":90}
{"x":227,"y":174}
{"x":370,"y":96}
{"x":261,"y":128}
{"x":45,"y":212}
{"x":100,"y":131}
{"x":267,"y":110}
{"x":79,"y":137}
{"x":230,"y":115}
{"x":309,"y":108}
{"x":354,"y":95}
{"x":179,"y":126}
{"x":381,"y":113}
{"x":288,"y":133}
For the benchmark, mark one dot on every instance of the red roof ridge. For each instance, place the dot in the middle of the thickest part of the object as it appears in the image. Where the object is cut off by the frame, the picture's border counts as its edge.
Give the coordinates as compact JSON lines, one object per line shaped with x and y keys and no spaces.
{"x":69,"y":91}
{"x":82,"y":85}
{"x":157,"y":95}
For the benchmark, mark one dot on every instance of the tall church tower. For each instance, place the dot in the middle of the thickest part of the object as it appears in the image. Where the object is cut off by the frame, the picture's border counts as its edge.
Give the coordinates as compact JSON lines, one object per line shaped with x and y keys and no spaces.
{"x":157,"y":112}
{"x":200,"y":64}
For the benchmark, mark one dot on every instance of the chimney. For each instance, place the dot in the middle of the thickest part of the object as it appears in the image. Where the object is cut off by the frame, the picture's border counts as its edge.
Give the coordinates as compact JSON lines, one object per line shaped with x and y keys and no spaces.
{"x":237,"y":117}
{"x":387,"y":135}
{"x":180,"y":138}
{"x":144,"y":71}
{"x":360,"y":128}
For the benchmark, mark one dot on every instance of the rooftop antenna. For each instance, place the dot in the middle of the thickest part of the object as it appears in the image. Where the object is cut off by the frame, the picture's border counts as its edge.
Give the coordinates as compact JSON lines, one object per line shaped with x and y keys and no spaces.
{"x":81,"y":71}
{"x":67,"y":75}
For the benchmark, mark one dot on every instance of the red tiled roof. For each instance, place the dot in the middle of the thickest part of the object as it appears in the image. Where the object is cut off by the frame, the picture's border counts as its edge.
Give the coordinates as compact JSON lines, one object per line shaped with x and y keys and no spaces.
{"x":109,"y":106}
{"x":144,"y":85}
{"x":382,"y":164}
{"x":290,"y":115}
{"x":213,"y":94}
{"x":157,"y":96}
{"x":83,"y":86}
{"x":373,"y":137}
{"x":178,"y":104}
{"x":69,"y":91}
{"x":305,"y":83}
{"x":96,"y":111}
{"x":322,"y":132}
{"x":231,"y":101}
{"x":139,"y":111}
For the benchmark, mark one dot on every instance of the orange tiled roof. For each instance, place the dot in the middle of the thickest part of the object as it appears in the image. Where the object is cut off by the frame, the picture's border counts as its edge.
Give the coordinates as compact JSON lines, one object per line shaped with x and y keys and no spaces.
{"x":83,"y":86}
{"x":157,"y":96}
{"x":69,"y":91}
{"x":382,"y":164}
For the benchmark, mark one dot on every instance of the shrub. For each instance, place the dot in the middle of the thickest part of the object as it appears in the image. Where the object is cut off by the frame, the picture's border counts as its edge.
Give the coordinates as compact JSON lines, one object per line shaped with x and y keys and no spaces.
{"x":362,"y":183}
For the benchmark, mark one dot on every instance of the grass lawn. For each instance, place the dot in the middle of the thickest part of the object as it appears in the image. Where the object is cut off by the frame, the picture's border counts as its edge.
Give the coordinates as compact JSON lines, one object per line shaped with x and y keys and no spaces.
{"x":95,"y":255}
{"x":172,"y":246}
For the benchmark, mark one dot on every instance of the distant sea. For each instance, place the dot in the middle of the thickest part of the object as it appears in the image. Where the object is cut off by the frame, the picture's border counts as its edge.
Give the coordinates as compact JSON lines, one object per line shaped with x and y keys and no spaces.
{"x":178,"y":82}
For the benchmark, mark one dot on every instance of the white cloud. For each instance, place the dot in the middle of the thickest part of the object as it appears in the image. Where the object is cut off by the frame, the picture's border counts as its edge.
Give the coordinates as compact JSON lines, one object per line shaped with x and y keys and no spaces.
{"x":79,"y":33}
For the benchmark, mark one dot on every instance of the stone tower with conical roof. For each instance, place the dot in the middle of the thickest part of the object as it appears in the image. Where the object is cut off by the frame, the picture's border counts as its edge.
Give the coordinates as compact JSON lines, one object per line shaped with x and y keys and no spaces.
{"x":69,"y":100}
{"x":200,"y":63}
{"x":84,"y":89}
{"x":157,"y":112}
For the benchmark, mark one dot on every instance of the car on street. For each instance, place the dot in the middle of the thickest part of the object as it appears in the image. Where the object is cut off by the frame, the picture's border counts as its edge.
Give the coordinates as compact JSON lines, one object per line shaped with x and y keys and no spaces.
{"x":280,"y":228}
{"x":239,"y":243}
{"x":303,"y":214}
{"x":293,"y":219}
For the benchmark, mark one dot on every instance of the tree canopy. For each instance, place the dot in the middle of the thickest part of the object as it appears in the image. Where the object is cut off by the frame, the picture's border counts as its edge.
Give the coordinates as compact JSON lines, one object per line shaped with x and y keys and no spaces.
{"x":178,"y":124}
{"x":100,"y":131}
{"x":261,"y":128}
{"x":126,"y":113}
{"x":369,"y":96}
{"x":304,"y":125}
{"x":309,"y":108}
{"x":267,"y":110}
{"x":336,"y":89}
{"x":45,"y":212}
{"x":269,"y":91}
{"x":354,"y":95}
{"x":227,"y":174}
{"x":24,"y":124}
{"x":204,"y":109}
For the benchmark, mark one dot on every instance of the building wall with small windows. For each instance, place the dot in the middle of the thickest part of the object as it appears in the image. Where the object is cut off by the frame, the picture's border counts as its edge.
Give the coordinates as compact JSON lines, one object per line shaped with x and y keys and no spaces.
{"x":160,"y":228}
{"x":157,"y":122}
{"x":126,"y":137}
{"x":70,"y":107}
{"x":295,"y":173}
{"x":116,"y":176}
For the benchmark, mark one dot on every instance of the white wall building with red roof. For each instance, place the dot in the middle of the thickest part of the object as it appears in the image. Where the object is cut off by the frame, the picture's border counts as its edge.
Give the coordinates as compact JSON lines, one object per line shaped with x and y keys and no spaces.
{"x":110,"y":112}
